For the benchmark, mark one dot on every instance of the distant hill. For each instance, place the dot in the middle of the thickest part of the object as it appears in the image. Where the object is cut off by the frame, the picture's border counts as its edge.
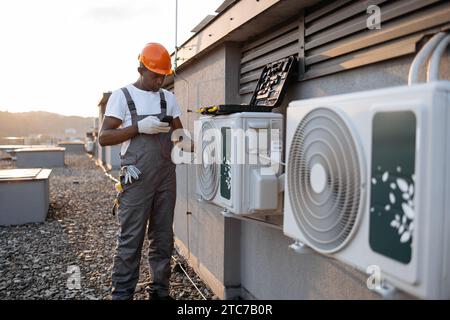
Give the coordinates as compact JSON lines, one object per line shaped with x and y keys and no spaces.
{"x":39,"y":122}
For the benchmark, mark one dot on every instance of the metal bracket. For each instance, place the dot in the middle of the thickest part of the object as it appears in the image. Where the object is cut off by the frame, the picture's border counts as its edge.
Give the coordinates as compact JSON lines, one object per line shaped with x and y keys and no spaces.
{"x":226,"y":213}
{"x":301,"y":248}
{"x":386,"y":290}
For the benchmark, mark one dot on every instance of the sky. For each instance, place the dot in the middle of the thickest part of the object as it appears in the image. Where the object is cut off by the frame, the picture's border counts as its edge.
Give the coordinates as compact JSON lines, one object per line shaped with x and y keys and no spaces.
{"x":61,"y":55}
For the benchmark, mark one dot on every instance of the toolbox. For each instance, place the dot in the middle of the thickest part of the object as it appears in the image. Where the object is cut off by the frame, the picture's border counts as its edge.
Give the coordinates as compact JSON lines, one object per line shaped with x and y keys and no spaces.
{"x":269,"y":91}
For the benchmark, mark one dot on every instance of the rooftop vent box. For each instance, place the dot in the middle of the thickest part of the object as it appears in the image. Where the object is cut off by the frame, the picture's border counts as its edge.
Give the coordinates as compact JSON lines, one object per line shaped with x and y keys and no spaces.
{"x":19,"y":184}
{"x":40,"y":157}
{"x":72,"y":146}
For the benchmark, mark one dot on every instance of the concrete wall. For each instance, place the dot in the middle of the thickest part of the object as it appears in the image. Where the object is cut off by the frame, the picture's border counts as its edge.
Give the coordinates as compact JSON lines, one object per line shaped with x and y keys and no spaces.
{"x":270,"y":270}
{"x":205,"y":236}
{"x":243,"y":257}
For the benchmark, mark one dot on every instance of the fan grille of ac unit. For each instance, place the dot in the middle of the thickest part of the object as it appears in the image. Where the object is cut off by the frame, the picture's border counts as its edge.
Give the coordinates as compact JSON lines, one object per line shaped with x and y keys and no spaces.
{"x":328,"y":216}
{"x":208,"y":173}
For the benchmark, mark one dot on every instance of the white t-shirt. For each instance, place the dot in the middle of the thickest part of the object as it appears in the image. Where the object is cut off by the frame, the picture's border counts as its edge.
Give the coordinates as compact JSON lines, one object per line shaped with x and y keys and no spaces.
{"x":146,"y":102}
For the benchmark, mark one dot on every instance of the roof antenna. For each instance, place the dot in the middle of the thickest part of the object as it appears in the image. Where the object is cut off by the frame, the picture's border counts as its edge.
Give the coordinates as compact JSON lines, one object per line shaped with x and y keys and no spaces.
{"x":176,"y":35}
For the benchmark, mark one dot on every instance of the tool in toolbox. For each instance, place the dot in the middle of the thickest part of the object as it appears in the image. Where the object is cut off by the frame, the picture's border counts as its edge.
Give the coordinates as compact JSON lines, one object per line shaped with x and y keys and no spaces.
{"x":269,"y":91}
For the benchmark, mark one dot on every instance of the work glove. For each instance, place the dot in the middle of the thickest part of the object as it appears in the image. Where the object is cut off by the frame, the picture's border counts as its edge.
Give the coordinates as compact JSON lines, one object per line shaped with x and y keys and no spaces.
{"x":152,"y":125}
{"x":130,"y":172}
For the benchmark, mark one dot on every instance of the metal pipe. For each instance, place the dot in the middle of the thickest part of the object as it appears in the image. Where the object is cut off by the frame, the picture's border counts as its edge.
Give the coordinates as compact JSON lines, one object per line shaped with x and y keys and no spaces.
{"x":435,"y":60}
{"x":244,"y":217}
{"x":423,"y":56}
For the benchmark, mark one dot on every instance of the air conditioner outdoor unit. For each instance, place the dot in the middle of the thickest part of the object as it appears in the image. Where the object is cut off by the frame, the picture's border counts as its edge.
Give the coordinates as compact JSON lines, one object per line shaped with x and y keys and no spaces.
{"x":368,"y":182}
{"x":239,"y":161}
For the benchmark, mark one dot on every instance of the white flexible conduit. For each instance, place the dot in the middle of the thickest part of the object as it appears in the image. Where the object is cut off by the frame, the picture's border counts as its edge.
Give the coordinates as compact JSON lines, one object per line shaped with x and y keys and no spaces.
{"x":433,"y":64}
{"x":422,"y":56}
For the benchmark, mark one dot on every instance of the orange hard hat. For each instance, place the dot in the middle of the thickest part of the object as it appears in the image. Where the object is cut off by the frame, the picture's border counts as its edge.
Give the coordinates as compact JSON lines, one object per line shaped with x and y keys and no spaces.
{"x":156,"y":58}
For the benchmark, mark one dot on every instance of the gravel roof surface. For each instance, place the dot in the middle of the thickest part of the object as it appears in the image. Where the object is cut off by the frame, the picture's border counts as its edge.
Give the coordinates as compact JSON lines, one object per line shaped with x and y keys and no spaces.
{"x":42,"y":261}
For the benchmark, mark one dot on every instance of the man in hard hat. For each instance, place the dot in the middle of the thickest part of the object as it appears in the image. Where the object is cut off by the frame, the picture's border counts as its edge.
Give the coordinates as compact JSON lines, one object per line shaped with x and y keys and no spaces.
{"x":147,"y":179}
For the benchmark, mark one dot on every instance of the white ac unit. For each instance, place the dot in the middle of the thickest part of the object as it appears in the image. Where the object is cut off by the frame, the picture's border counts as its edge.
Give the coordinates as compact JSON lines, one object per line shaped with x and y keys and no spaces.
{"x":239,"y":161}
{"x":368,"y":183}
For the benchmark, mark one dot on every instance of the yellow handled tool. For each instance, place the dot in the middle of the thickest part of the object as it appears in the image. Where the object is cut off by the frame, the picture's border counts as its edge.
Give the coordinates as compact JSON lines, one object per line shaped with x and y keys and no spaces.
{"x":213,"y":109}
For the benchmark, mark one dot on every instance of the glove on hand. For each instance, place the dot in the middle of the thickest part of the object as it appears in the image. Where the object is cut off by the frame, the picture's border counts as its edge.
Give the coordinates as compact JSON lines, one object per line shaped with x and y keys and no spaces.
{"x":152,"y":125}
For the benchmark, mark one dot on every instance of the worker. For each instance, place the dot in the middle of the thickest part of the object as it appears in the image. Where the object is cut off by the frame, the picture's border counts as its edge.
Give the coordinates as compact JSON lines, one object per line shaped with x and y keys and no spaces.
{"x":146,"y":202}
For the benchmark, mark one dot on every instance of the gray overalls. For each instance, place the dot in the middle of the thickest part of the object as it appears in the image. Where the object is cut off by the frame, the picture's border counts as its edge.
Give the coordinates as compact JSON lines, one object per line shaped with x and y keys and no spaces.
{"x":150,"y":199}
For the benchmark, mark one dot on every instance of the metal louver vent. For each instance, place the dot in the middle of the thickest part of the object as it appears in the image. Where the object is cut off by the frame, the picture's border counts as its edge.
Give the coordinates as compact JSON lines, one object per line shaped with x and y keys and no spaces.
{"x":208,"y":173}
{"x":325,"y":180}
